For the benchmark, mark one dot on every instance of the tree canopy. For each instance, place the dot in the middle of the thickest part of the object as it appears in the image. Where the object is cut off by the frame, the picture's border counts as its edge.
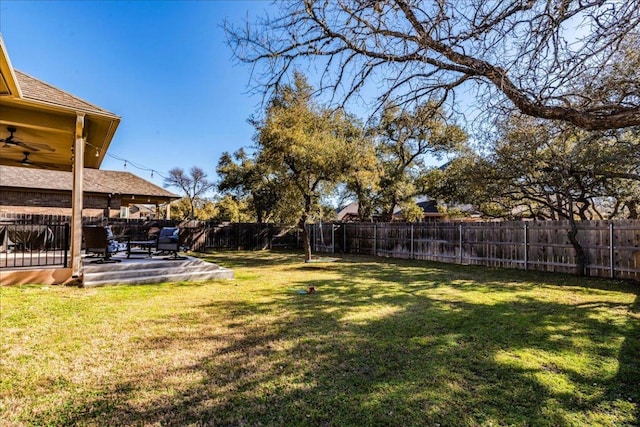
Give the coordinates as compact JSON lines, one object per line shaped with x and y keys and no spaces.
{"x":541,"y":171}
{"x":576,"y":61}
{"x":251,"y":181}
{"x":404,"y":139}
{"x":193,"y":186}
{"x":305,"y":148}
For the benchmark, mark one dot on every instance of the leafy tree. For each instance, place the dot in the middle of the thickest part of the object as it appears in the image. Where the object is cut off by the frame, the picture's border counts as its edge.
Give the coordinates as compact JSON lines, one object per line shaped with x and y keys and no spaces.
{"x":546,"y":172}
{"x":411,"y":211}
{"x":232,"y":209}
{"x":575,"y":61}
{"x":193,"y":185}
{"x":404,"y":139}
{"x":203,"y":209}
{"x":305,"y":148}
{"x":243,"y":176}
{"x":362,"y":181}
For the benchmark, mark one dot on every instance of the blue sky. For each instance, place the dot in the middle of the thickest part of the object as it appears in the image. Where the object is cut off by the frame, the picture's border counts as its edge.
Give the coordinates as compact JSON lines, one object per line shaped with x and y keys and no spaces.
{"x":163,"y":66}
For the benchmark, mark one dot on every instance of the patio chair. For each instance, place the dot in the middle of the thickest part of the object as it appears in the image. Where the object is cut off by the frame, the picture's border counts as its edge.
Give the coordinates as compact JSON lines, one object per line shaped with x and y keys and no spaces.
{"x":169,"y":241}
{"x":96,"y":241}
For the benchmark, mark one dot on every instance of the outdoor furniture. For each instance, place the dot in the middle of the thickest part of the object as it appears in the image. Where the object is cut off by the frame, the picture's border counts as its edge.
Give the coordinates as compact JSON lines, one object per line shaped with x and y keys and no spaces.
{"x":169,"y":241}
{"x":25,"y":237}
{"x":97,"y":241}
{"x":140,"y":247}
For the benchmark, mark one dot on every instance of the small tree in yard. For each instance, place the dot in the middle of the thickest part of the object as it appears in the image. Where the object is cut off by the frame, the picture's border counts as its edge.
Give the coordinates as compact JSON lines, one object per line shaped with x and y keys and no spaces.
{"x":305,"y":148}
{"x":193,"y":185}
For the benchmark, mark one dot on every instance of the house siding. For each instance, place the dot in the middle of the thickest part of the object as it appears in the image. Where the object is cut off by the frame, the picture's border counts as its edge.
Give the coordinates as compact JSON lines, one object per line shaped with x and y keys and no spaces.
{"x":56,"y":203}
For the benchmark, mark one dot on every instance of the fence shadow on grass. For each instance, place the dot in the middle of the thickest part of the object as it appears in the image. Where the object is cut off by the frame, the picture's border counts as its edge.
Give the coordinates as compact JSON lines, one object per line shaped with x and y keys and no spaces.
{"x":396,"y":348}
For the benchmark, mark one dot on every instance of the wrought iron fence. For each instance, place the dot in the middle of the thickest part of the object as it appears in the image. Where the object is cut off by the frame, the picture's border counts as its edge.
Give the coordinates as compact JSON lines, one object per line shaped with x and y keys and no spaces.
{"x":28,"y":240}
{"x":25,"y":243}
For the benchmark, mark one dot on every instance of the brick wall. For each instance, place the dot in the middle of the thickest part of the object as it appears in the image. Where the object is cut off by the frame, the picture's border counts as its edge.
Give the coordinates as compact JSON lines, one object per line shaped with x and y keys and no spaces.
{"x":56,"y":203}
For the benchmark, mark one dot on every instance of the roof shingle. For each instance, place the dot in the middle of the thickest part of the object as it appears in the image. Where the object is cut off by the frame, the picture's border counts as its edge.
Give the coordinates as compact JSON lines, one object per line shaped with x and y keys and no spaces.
{"x":95,"y":181}
{"x":37,"y":90}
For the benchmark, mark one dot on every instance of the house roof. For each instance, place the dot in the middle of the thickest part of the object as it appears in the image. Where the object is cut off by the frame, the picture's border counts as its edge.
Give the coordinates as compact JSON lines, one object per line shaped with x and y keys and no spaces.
{"x":428,"y":207}
{"x":350,"y":209}
{"x":37,"y":90}
{"x":95,"y":181}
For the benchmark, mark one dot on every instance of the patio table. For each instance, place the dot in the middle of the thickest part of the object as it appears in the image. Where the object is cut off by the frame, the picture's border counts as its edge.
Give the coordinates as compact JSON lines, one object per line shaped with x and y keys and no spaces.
{"x":143,"y":247}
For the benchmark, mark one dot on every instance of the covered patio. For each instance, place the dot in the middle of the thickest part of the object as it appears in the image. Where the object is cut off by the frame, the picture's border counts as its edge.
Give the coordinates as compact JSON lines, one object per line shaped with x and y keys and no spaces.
{"x":44,"y":127}
{"x":47,"y":129}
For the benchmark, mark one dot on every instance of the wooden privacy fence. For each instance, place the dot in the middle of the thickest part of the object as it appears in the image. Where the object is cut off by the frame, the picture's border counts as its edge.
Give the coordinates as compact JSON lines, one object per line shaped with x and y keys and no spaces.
{"x":612,"y":248}
{"x":203,"y":236}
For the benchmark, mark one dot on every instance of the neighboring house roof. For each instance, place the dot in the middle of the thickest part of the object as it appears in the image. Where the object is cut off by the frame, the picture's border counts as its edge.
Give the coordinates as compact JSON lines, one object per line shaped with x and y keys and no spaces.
{"x":95,"y":181}
{"x":429,"y":207}
{"x":350,"y":209}
{"x":38,"y":90}
{"x":350,"y":212}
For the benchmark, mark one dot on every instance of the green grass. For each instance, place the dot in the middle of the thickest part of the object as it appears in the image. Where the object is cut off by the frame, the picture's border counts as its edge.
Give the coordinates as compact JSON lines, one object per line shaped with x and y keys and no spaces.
{"x":381,"y":342}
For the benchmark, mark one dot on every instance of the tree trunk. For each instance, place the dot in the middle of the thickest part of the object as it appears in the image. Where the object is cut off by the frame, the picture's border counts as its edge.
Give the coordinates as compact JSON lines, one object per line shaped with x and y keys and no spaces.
{"x":633,"y":210}
{"x":306,"y":243}
{"x":581,"y":256}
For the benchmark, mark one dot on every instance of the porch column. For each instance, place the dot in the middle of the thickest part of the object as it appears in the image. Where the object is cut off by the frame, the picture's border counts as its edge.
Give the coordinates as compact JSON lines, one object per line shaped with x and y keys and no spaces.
{"x":76,"y":198}
{"x":168,"y":213}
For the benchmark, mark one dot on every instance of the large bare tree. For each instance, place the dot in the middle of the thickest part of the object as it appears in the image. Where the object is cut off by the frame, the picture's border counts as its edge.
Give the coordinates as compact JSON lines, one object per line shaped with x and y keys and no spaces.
{"x":193,"y":185}
{"x":572,"y":60}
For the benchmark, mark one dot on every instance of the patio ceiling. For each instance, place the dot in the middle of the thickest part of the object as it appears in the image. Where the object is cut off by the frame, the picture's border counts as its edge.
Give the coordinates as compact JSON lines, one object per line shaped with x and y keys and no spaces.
{"x":40,"y":127}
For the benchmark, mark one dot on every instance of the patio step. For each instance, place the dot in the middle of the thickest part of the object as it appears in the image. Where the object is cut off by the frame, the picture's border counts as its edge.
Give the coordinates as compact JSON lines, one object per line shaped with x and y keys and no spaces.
{"x":137,"y":271}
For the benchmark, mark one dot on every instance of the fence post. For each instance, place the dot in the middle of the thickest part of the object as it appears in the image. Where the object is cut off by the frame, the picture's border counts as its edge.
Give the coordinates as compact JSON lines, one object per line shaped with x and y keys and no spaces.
{"x":526,"y":250}
{"x":611,"y":252}
{"x":344,"y":237}
{"x":333,"y":238}
{"x":460,"y":242}
{"x":375,"y":234}
{"x":67,"y":232}
{"x":411,"y":241}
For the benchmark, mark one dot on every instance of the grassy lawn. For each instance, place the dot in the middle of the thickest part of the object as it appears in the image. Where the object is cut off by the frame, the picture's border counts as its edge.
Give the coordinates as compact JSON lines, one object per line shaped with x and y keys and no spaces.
{"x":381,"y":342}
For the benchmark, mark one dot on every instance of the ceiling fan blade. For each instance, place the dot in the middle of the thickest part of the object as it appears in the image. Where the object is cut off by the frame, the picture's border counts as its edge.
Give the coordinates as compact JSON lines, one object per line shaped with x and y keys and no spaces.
{"x":27,"y":146}
{"x":40,"y":146}
{"x":33,"y":146}
{"x":26,"y":161}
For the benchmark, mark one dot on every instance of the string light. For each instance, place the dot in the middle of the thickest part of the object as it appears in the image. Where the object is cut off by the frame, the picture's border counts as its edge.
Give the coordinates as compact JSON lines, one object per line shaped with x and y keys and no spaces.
{"x":128,"y":162}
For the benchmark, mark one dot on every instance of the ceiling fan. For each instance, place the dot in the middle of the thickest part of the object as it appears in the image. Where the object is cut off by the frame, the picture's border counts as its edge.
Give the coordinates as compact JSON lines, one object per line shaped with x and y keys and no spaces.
{"x":26,"y":161}
{"x":10,"y":140}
